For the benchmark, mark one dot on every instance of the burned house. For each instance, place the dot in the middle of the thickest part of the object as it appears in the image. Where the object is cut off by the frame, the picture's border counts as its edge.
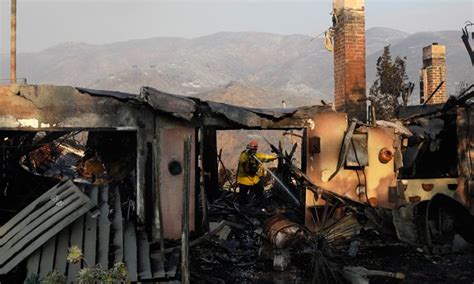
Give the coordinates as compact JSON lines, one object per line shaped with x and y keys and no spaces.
{"x":415,"y":171}
{"x":132,"y":178}
{"x":105,"y":171}
{"x":417,"y":168}
{"x":108,"y":172}
{"x":437,"y":175}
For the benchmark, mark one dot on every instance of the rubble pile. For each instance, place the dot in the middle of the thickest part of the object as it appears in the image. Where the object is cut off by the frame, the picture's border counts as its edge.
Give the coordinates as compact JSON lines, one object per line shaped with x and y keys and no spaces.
{"x":265,"y":241}
{"x":238,"y":250}
{"x":388,"y":201}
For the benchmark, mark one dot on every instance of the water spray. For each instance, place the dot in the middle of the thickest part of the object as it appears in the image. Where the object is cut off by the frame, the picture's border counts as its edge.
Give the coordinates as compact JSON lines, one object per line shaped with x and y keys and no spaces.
{"x":295,"y":200}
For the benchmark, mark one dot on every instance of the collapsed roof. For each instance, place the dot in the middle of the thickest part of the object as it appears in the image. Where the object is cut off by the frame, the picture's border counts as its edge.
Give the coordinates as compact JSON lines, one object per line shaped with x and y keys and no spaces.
{"x":209,"y":113}
{"x":65,"y":106}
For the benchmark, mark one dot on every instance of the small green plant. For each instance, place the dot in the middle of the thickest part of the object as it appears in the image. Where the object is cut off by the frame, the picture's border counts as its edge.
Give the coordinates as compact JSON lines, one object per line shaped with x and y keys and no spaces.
{"x":86,"y":275}
{"x":54,"y":277}
{"x":118,"y":273}
{"x":74,"y":254}
{"x":33,"y":279}
{"x":95,"y":274}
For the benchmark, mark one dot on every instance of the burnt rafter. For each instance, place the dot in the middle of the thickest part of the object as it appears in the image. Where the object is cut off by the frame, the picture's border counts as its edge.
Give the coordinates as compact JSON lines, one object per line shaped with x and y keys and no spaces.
{"x":465,"y":39}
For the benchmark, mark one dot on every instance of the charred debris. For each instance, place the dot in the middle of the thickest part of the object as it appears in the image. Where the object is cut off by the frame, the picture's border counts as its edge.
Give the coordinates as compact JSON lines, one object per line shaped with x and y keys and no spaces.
{"x":416,"y":229}
{"x":120,"y":175}
{"x":109,"y":186}
{"x":107,"y":173}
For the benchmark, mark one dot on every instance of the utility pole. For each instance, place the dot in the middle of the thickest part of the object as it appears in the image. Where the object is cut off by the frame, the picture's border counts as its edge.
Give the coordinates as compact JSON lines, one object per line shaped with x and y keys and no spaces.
{"x":13,"y":43}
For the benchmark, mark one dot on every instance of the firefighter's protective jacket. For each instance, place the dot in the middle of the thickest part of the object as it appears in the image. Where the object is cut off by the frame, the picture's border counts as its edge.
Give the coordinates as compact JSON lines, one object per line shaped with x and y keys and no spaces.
{"x":249,"y":170}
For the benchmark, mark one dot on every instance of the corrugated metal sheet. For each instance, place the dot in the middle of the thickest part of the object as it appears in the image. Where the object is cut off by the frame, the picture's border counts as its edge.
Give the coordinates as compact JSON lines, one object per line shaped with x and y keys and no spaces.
{"x":39,"y":222}
{"x":101,"y":236}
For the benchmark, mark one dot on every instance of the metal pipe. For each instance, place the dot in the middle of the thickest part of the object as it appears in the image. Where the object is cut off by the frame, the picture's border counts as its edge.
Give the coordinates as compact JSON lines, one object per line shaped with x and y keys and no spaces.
{"x":13,"y":43}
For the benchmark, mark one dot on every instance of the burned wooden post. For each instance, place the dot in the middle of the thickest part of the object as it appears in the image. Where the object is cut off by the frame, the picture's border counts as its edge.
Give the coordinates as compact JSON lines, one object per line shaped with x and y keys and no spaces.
{"x":465,"y":40}
{"x":185,"y":214}
{"x":208,"y":171}
{"x":209,"y":162}
{"x":304,"y":161}
{"x":158,"y":215}
{"x":229,"y":179}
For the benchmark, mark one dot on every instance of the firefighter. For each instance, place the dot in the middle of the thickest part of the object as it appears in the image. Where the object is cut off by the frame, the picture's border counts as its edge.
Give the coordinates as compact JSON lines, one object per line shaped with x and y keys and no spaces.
{"x":250,"y":171}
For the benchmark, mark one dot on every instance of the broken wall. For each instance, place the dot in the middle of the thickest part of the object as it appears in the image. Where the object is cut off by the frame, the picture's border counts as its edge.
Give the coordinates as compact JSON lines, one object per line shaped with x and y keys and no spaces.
{"x":63,"y":108}
{"x":362,"y":175}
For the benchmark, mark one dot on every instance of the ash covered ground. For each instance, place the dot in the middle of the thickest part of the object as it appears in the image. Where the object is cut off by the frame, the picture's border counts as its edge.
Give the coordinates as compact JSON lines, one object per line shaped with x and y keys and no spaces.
{"x":238,"y":250}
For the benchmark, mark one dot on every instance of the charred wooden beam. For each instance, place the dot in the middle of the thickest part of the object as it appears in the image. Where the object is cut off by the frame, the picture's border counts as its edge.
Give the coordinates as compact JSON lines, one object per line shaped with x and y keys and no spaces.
{"x":157,"y":224}
{"x":208,"y":144}
{"x":465,"y":39}
{"x":185,"y":217}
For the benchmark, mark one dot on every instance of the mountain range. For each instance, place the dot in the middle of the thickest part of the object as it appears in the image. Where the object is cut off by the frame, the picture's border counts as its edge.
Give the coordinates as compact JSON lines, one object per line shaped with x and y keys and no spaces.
{"x":244,"y":68}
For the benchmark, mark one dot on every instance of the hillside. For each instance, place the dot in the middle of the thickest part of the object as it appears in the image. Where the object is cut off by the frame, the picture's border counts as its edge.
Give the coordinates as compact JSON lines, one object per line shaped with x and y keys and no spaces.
{"x":263,"y":68}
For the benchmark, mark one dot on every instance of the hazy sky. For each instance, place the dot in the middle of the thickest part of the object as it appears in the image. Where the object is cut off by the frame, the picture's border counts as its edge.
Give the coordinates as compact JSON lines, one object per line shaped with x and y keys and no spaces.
{"x":45,"y":23}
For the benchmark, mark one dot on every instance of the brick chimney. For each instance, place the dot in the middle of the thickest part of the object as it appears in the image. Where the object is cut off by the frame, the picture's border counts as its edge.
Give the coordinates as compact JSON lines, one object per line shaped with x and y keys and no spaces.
{"x":349,"y":57}
{"x":433,"y":73}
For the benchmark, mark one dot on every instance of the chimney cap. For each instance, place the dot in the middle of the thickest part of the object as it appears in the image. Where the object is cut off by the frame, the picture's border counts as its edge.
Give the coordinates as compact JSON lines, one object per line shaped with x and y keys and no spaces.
{"x":348,"y":4}
{"x":434,"y":50}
